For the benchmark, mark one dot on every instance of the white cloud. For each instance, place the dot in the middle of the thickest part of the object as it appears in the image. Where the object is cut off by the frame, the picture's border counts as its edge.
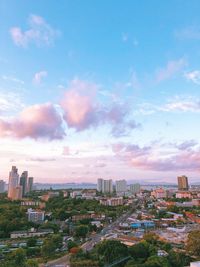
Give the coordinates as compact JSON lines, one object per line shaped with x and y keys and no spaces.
{"x":193,"y":76}
{"x":177,"y":104}
{"x":12,"y":79}
{"x":10,"y":102}
{"x":39,"y":33}
{"x":38,"y":77}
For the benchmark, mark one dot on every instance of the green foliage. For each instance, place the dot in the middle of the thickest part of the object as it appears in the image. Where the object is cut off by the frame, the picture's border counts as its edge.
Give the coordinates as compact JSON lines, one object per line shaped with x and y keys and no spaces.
{"x":110,"y":250}
{"x":193,"y":243}
{"x":50,"y":245}
{"x":31,"y":263}
{"x":71,"y":244}
{"x":81,"y":231}
{"x":32,"y":242}
{"x":140,"y":251}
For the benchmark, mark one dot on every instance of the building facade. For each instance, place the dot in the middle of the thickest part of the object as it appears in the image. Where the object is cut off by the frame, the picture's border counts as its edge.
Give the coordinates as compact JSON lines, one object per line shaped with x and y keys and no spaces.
{"x":13,"y":181}
{"x":121,"y":186}
{"x":105,"y":186}
{"x":183,"y":183}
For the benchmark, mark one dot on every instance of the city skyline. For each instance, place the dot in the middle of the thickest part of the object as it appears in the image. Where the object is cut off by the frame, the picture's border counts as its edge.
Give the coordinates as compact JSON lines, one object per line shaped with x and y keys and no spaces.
{"x":96,"y":90}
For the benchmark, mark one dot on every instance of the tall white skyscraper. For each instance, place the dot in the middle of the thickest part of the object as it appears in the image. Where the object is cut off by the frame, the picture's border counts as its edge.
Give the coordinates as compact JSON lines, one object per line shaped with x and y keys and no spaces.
{"x":2,"y":186}
{"x":13,"y":181}
{"x":105,"y":186}
{"x":121,"y":186}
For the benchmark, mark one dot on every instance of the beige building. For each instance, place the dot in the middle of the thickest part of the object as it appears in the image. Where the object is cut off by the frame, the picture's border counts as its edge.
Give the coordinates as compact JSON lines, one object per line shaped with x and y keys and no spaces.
{"x":183,"y":183}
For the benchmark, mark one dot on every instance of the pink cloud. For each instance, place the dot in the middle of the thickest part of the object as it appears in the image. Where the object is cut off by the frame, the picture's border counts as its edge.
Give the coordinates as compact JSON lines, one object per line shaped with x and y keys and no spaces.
{"x":38,"y":121}
{"x":145,"y":158}
{"x":172,"y":67}
{"x":82,"y":110}
{"x":39,"y":33}
{"x":78,"y":105}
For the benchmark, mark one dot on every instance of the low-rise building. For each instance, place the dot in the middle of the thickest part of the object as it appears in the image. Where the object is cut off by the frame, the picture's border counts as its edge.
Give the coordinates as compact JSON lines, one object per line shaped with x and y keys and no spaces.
{"x":159,"y":193}
{"x":31,"y":233}
{"x":183,"y":194}
{"x":113,"y":201}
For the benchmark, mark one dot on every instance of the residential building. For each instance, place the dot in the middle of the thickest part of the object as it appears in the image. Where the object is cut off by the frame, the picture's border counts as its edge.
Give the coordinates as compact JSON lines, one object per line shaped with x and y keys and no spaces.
{"x":17,"y":193}
{"x":13,"y":181}
{"x":183,"y":183}
{"x":135,"y":188}
{"x":114,"y":201}
{"x":2,"y":186}
{"x":121,"y":186}
{"x":105,"y":186}
{"x":183,"y":194}
{"x":35,"y":216}
{"x":159,"y":193}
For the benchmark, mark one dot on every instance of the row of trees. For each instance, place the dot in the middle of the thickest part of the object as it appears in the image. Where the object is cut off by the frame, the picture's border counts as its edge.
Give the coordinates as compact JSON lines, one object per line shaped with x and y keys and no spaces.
{"x":143,"y":254}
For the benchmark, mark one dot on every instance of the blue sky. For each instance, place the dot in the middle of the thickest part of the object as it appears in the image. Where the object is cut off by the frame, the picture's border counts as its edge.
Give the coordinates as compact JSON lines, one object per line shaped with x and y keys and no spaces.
{"x":80,"y":78}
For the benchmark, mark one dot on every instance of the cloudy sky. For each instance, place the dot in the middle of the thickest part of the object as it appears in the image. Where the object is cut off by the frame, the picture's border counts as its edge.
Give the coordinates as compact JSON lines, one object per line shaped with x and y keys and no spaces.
{"x":94,"y":89}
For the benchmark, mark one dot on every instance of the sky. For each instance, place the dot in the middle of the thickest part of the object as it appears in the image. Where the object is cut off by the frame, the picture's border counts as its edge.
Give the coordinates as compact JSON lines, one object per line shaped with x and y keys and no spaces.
{"x":92,"y":89}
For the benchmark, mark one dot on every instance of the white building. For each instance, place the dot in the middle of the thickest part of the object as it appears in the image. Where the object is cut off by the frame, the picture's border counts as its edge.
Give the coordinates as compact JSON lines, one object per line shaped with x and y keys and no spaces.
{"x":105,"y":186}
{"x":13,"y":181}
{"x":2,"y":186}
{"x":121,"y":186}
{"x":195,"y":264}
{"x":135,"y":188}
{"x":35,"y":216}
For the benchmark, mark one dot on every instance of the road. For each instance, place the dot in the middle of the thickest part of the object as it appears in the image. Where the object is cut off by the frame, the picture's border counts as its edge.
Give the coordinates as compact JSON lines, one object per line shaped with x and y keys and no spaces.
{"x":88,"y":246}
{"x":97,"y":237}
{"x":61,"y":262}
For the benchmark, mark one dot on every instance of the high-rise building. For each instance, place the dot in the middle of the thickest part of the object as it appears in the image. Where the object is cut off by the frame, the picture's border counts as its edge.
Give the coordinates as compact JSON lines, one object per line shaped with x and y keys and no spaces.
{"x":135,"y":188}
{"x":121,"y":186}
{"x":183,"y":183}
{"x":2,"y":186}
{"x":13,"y":181}
{"x":104,"y":186}
{"x":30,"y":184}
{"x":24,"y":182}
{"x":17,"y":193}
{"x":100,"y":184}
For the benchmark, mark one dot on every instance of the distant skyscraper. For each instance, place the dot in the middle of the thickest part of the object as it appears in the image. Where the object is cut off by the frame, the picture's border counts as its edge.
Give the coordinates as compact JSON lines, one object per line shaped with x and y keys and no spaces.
{"x":121,"y":186}
{"x":30,"y":184}
{"x":135,"y":188}
{"x":183,"y":183}
{"x":13,"y":181}
{"x":104,"y":186}
{"x":2,"y":186}
{"x":24,"y":182}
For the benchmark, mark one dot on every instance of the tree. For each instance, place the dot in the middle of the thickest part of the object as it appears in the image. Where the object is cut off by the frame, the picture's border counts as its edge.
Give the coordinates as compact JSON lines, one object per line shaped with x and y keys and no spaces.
{"x":140,"y":251}
{"x":151,"y":238}
{"x":178,"y":259}
{"x":110,"y":250}
{"x":81,"y":231}
{"x":156,"y":261}
{"x":19,"y":257}
{"x":32,"y":242}
{"x":31,"y":263}
{"x":71,"y":244}
{"x":193,"y":243}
